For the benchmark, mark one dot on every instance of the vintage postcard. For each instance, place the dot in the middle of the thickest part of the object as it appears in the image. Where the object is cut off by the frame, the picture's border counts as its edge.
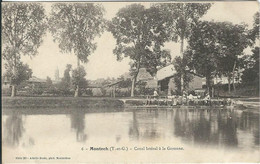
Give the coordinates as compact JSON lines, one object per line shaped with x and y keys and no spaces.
{"x":130,"y":82}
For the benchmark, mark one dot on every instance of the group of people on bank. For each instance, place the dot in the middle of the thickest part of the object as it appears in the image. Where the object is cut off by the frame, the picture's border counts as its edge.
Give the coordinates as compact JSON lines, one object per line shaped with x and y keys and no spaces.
{"x":185,"y":99}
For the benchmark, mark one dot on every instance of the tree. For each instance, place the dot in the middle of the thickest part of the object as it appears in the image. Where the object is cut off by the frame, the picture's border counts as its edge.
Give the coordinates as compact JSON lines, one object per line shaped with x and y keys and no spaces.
{"x":48,"y":82}
{"x":251,"y":68}
{"x":232,"y":40}
{"x":66,"y":76}
{"x":21,"y":74}
{"x":254,"y":32}
{"x":50,"y":87}
{"x":23,"y":27}
{"x":74,"y":26}
{"x":66,"y":84}
{"x":125,"y":83}
{"x":78,"y":78}
{"x":139,"y":34}
{"x":215,"y":48}
{"x":180,"y":65}
{"x":203,"y":51}
{"x":180,"y":19}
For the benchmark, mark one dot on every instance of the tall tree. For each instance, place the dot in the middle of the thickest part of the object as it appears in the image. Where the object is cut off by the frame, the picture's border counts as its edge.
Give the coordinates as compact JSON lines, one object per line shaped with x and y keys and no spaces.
{"x":254,"y":32}
{"x":203,"y":51}
{"x":232,"y":39}
{"x":21,"y":74}
{"x":48,"y":82}
{"x":251,"y":68}
{"x":74,"y":26}
{"x":179,"y":65}
{"x":140,"y":34}
{"x":23,"y":27}
{"x":180,"y":18}
{"x":66,"y":83}
{"x":66,"y":80}
{"x":78,"y":78}
{"x":214,"y":48}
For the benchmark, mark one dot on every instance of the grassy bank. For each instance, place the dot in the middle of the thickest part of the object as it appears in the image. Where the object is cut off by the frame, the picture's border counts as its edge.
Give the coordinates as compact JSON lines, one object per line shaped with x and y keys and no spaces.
{"x":60,"y":102}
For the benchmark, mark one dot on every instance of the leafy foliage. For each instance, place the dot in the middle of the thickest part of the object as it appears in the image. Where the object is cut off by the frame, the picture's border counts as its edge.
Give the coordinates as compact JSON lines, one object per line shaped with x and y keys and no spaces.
{"x":251,"y":72}
{"x":214,"y":48}
{"x":254,"y":33}
{"x":125,"y":83}
{"x":66,"y":83}
{"x":75,"y":25}
{"x":49,"y":83}
{"x":22,"y":73}
{"x":202,"y":49}
{"x":180,"y":65}
{"x":78,"y":77}
{"x":140,"y":34}
{"x":231,"y":42}
{"x":23,"y":26}
{"x":181,"y":17}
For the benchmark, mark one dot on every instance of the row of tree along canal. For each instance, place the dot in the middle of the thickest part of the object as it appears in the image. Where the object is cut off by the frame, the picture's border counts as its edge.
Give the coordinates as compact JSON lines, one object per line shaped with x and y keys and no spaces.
{"x":213,"y":50}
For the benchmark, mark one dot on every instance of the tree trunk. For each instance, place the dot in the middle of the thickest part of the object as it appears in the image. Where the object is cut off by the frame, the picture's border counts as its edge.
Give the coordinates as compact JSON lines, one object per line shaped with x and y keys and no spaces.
{"x":182,"y":56}
{"x":134,"y":80}
{"x":13,"y":91}
{"x":11,"y":82}
{"x":233,"y":76}
{"x":77,"y":91}
{"x":229,"y":83}
{"x":213,"y":91}
{"x":133,"y":86}
{"x":208,"y":84}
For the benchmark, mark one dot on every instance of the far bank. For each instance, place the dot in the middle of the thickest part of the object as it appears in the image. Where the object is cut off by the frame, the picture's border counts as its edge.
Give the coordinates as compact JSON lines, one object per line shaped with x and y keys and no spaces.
{"x":60,"y":102}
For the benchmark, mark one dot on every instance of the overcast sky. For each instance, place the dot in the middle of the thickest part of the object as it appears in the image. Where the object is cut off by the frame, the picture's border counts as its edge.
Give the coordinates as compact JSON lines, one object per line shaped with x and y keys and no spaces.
{"x":102,"y":63}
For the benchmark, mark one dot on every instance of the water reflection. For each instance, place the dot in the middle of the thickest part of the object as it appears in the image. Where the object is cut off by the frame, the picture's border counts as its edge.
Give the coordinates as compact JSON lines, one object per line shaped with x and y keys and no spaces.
{"x":144,"y":125}
{"x":151,"y":133}
{"x":13,"y":129}
{"x":213,"y":127}
{"x":134,"y":127}
{"x":250,"y":122}
{"x":227,"y":130}
{"x":192,"y":127}
{"x":78,"y":124}
{"x":206,"y":127}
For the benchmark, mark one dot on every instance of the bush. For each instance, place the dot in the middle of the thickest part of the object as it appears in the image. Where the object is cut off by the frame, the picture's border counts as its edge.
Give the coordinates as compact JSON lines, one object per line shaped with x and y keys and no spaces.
{"x":6,"y":91}
{"x":122,"y":92}
{"x":88,"y":92}
{"x":36,"y":91}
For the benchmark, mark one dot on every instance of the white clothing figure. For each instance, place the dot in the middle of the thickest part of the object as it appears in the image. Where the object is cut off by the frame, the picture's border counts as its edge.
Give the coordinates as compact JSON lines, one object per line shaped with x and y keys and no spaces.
{"x":155,"y":93}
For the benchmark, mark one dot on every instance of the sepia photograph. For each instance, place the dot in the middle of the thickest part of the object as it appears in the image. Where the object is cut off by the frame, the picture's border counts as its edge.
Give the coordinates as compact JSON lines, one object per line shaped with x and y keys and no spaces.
{"x":130,"y":82}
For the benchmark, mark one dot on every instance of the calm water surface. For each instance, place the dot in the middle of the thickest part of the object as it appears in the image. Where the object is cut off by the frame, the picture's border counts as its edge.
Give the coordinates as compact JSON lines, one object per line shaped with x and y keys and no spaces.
{"x":193,"y":129}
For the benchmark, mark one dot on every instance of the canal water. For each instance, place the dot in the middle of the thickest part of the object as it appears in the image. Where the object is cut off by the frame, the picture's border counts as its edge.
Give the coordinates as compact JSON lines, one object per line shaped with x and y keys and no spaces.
{"x":178,"y":135}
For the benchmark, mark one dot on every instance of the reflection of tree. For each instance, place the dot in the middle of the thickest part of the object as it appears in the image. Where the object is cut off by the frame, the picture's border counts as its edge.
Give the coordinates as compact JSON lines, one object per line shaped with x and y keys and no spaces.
{"x":244,"y":123}
{"x":150,"y":132}
{"x":78,"y":124}
{"x":250,"y":122}
{"x":202,"y":129}
{"x":134,"y":127}
{"x":182,"y":124}
{"x":13,"y":129}
{"x":227,"y":127}
{"x":179,"y":128}
{"x":145,"y":131}
{"x":256,"y":136}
